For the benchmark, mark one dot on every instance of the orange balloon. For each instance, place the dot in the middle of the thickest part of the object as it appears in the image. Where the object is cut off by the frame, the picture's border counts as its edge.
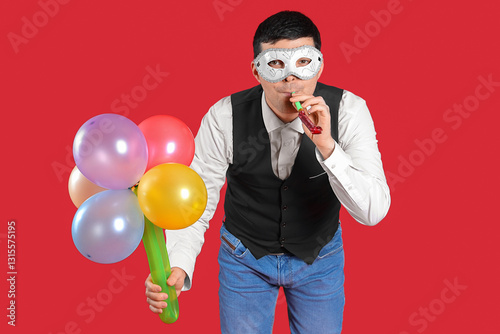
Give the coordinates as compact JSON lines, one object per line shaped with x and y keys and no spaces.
{"x":172,"y":196}
{"x":80,"y":188}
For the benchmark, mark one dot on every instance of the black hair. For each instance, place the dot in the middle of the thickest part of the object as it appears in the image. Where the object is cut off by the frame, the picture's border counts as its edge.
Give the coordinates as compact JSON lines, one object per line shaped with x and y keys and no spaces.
{"x":285,"y":25}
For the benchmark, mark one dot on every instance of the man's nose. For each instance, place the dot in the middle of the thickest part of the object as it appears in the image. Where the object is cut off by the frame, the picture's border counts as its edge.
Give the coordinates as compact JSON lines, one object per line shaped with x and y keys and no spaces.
{"x":291,"y":78}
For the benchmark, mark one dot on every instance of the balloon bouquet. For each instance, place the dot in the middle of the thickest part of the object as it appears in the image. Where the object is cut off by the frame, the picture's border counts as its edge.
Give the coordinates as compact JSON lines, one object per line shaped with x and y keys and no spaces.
{"x":130,"y":182}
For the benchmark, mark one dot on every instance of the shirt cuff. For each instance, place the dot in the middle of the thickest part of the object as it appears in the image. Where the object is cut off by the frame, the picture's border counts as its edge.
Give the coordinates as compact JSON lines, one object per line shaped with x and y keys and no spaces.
{"x":337,"y":161}
{"x":184,"y":262}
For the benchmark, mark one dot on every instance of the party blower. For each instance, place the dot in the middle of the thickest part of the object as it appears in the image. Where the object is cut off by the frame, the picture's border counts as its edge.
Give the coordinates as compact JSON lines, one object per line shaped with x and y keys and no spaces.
{"x":131,"y":182}
{"x":307,"y":122}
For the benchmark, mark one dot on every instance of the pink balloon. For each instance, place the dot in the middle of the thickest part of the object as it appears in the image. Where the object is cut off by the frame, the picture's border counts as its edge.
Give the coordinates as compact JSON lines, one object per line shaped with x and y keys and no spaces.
{"x":111,"y":151}
{"x":80,"y":188}
{"x":169,"y":140}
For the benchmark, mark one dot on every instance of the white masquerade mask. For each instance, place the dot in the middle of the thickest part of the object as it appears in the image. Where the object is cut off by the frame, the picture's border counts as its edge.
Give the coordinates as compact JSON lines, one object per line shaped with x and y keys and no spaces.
{"x":275,"y":65}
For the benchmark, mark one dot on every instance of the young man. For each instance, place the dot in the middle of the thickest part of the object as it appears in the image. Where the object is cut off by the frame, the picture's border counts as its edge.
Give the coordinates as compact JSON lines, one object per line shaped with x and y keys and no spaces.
{"x":285,"y":189}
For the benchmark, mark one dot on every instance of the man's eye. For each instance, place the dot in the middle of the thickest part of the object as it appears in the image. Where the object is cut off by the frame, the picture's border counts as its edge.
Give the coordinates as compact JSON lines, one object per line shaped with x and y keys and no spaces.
{"x":303,"y":62}
{"x":276,"y":64}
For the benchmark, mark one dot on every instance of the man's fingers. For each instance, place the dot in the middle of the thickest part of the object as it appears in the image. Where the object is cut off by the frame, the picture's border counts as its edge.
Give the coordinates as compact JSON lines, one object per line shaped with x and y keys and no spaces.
{"x":155,"y":310}
{"x":153,"y":291}
{"x":317,"y":109}
{"x":307,"y":100}
{"x":176,"y":277}
{"x":318,"y":100}
{"x":172,"y":279}
{"x":156,"y":296}
{"x":150,"y":286}
{"x":156,"y":304}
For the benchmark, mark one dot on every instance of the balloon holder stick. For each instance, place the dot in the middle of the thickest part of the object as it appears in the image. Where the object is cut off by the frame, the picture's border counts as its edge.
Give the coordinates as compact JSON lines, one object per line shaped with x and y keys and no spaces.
{"x":159,"y":265}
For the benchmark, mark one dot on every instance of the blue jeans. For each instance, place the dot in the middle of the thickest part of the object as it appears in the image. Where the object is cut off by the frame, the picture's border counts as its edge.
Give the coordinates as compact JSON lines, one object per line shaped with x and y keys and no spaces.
{"x":249,"y":288}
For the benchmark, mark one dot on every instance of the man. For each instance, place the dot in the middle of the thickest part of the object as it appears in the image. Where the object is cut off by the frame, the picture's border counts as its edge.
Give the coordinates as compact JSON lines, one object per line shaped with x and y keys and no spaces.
{"x":281,"y":226}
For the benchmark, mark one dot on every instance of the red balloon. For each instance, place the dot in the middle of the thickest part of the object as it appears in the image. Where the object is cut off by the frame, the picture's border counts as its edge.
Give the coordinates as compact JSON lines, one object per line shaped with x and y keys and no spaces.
{"x":169,"y":140}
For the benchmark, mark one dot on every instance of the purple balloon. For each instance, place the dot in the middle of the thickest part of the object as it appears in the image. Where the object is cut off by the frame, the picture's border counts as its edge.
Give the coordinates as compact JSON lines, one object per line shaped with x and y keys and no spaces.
{"x":111,"y":151}
{"x":108,"y":226}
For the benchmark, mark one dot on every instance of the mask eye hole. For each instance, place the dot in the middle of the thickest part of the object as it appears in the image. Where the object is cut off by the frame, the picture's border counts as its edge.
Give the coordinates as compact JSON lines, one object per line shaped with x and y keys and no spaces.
{"x":303,"y":62}
{"x":276,"y":64}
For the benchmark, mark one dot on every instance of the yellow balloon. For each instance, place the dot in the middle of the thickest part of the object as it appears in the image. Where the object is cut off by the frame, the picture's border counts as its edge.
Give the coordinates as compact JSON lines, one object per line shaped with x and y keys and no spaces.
{"x":172,"y":196}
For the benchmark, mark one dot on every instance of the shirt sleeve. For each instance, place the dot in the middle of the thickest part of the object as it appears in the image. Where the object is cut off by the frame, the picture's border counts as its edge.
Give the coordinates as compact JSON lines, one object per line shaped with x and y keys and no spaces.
{"x":210,"y":161}
{"x":355,"y":168}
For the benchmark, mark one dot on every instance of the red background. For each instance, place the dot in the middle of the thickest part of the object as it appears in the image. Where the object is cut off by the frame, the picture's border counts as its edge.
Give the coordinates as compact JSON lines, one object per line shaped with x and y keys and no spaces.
{"x":441,"y":226}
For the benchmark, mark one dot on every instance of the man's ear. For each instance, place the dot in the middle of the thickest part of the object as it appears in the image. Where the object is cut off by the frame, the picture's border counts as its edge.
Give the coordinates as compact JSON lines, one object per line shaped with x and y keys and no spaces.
{"x":255,"y":72}
{"x":321,"y":69}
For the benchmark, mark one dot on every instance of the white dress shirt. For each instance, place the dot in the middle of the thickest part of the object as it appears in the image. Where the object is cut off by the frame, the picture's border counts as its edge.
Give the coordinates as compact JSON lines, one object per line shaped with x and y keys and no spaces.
{"x":355,"y":168}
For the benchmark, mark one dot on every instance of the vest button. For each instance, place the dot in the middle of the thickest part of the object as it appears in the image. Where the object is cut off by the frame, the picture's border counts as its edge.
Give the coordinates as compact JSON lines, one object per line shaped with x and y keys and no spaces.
{"x":285,"y":207}
{"x":283,"y":224}
{"x":285,"y":188}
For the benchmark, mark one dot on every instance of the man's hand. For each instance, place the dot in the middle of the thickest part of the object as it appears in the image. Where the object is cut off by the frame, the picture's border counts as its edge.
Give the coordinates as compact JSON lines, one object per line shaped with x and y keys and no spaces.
{"x":319,"y":113}
{"x":155,"y":298}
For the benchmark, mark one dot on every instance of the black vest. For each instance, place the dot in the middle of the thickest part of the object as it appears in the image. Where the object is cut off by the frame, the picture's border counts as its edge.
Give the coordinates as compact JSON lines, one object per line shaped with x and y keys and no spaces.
{"x":269,"y":215}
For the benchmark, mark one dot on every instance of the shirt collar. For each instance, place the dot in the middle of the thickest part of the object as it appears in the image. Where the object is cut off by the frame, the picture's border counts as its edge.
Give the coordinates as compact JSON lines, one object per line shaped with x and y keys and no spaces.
{"x":272,"y":122}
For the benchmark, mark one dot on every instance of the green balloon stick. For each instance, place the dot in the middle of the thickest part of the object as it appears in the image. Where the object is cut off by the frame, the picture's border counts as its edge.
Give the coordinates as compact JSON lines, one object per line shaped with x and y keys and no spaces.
{"x":154,"y":243}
